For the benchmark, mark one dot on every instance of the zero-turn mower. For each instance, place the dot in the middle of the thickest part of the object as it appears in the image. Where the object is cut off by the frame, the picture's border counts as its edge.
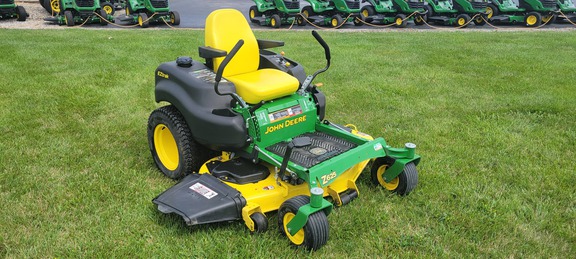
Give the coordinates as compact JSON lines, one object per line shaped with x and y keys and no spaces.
{"x":274,"y":13}
{"x":393,"y":12}
{"x":8,"y":9}
{"x":457,"y":12}
{"x":530,"y":12}
{"x":145,"y":12}
{"x":246,"y":130}
{"x":333,"y":13}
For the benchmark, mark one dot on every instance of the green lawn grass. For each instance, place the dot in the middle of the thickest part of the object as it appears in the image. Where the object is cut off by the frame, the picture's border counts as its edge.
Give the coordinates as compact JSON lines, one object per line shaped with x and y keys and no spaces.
{"x":493,"y":115}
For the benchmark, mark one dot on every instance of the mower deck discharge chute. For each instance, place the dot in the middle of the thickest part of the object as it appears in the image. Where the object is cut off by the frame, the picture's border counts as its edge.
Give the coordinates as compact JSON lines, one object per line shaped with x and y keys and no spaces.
{"x":247,"y":128}
{"x":275,"y":13}
{"x":8,"y":9}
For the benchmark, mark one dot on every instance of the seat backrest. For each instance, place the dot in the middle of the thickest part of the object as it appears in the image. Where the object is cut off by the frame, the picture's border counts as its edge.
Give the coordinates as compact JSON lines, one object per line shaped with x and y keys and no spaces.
{"x":224,"y":28}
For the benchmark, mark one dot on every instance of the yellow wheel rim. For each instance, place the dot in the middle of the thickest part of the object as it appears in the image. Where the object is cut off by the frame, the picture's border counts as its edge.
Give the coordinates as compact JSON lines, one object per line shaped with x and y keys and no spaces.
{"x":273,"y":23}
{"x":546,"y":18}
{"x":127,"y":11}
{"x":461,"y":21}
{"x":166,"y":147}
{"x":365,"y":13}
{"x":398,"y":21}
{"x":334,"y":22}
{"x":297,"y":238}
{"x":489,"y":12}
{"x":392,"y":185}
{"x":172,"y":19}
{"x":108,"y":9}
{"x":252,"y":14}
{"x":419,"y":18}
{"x":140,"y":20}
{"x":305,"y":13}
{"x":531,"y":20}
{"x":55,"y":5}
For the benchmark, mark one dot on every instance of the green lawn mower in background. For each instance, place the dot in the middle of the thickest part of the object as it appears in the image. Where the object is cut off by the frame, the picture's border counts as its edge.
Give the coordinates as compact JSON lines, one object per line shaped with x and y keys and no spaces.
{"x":53,"y":6}
{"x":72,"y":12}
{"x":457,"y":12}
{"x":8,"y":9}
{"x":146,"y":12}
{"x":332,"y":12}
{"x":244,"y":132}
{"x":530,"y":12}
{"x":275,"y":13}
{"x":568,"y":8}
{"x":393,"y":11}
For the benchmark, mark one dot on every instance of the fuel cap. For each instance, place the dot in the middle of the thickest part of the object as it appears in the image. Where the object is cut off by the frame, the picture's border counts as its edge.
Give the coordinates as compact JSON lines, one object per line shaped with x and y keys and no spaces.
{"x":184,"y":61}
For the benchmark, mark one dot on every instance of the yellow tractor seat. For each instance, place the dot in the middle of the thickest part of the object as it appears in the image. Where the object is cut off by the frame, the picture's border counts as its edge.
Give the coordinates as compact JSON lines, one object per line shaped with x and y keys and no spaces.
{"x":224,"y":28}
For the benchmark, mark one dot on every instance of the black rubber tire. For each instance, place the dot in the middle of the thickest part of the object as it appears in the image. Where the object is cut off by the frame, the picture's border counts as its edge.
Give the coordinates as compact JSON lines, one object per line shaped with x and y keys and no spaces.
{"x":336,"y":21}
{"x":536,"y":23}
{"x":462,"y":20}
{"x":407,"y":179}
{"x":174,"y":18}
{"x":552,"y":18}
{"x":108,"y":7}
{"x":69,"y":18}
{"x":358,"y":21}
{"x":275,"y":21}
{"x":478,"y":21}
{"x":419,"y":19}
{"x":307,"y":11}
{"x":367,"y":10}
{"x":143,"y":20}
{"x":191,"y":155}
{"x":42,"y":3}
{"x":300,"y":21}
{"x":104,"y":18}
{"x":21,"y":14}
{"x":400,"y":18}
{"x":494,"y":11}
{"x":253,"y":13}
{"x":430,"y":12}
{"x":316,"y":230}
{"x":260,"y":222}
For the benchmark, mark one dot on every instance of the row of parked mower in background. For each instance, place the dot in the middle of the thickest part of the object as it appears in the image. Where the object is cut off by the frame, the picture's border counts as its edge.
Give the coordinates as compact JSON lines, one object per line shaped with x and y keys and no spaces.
{"x":334,"y":13}
{"x":75,"y":12}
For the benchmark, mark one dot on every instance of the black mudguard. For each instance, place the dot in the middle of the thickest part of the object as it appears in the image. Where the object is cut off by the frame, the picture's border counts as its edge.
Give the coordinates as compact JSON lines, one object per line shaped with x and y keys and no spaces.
{"x":200,"y":199}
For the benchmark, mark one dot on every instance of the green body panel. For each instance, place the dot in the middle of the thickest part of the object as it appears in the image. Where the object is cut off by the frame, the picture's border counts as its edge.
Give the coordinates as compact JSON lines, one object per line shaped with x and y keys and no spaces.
{"x":146,"y":6}
{"x":8,"y":6}
{"x":344,"y":8}
{"x":405,"y":8}
{"x":320,"y":6}
{"x":264,"y":6}
{"x":384,"y":6}
{"x":507,"y":6}
{"x":72,"y":5}
{"x":284,"y":119}
{"x":442,"y":7}
{"x":466,"y":6}
{"x":566,"y":5}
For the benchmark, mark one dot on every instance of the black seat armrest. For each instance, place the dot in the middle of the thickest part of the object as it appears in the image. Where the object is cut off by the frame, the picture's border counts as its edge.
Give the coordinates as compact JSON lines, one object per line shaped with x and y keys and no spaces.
{"x":209,"y":52}
{"x":267,"y":44}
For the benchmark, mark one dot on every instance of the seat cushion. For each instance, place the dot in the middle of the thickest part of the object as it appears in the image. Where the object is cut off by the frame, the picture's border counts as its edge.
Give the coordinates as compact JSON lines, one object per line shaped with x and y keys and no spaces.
{"x":263,"y":85}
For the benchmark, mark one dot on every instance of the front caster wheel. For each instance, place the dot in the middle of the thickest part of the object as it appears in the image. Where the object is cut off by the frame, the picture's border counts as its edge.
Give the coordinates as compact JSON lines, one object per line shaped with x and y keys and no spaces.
{"x":403,"y":184}
{"x":314,"y":234}
{"x":260,"y":222}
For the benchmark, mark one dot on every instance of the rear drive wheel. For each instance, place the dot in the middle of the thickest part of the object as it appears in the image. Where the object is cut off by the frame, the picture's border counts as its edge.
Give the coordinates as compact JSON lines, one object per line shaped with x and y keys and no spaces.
{"x":403,"y":184}
{"x":173,"y":148}
{"x":108,"y":7}
{"x":253,"y":13}
{"x":336,"y":21}
{"x":174,"y":18}
{"x":316,"y":231}
{"x":400,"y":21}
{"x":429,"y":11}
{"x":143,"y":20}
{"x":491,"y":11}
{"x":480,"y":20}
{"x":21,"y":14}
{"x":55,"y":7}
{"x":69,"y":18}
{"x":275,"y":21}
{"x":260,"y":222}
{"x":307,"y":11}
{"x":367,"y":10}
